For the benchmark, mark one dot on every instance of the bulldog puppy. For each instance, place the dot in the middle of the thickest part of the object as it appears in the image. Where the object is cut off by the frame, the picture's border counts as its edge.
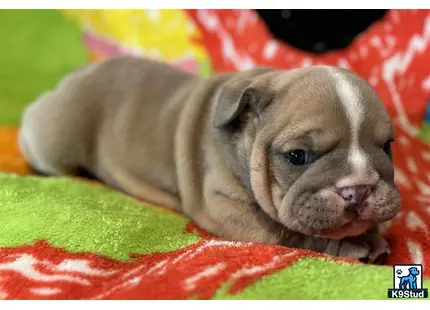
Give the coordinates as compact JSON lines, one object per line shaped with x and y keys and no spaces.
{"x":299,"y":158}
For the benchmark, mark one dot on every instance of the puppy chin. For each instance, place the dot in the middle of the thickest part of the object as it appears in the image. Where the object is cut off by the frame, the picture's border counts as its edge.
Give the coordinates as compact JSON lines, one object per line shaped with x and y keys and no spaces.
{"x":350,"y":229}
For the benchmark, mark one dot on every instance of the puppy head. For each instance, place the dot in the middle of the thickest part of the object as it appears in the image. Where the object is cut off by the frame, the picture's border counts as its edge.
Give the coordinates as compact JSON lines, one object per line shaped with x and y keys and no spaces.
{"x":313,"y":147}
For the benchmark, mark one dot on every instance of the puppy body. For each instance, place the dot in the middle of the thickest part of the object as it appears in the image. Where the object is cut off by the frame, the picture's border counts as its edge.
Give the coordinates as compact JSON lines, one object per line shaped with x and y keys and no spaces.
{"x":215,"y":148}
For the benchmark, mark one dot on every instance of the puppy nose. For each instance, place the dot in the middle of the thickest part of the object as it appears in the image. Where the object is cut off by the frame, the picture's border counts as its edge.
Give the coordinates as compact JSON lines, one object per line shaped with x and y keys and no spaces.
{"x":354,"y":196}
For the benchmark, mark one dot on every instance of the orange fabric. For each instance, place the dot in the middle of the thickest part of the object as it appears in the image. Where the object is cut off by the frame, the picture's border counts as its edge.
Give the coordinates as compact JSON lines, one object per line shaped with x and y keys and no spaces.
{"x":11,"y":160}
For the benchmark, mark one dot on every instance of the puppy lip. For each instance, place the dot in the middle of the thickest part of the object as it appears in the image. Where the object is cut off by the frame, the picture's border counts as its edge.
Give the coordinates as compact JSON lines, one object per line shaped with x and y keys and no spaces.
{"x":350,"y":229}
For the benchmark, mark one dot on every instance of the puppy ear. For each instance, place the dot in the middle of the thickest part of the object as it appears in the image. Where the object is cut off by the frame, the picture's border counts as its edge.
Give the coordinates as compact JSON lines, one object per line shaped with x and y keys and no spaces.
{"x":234,"y":97}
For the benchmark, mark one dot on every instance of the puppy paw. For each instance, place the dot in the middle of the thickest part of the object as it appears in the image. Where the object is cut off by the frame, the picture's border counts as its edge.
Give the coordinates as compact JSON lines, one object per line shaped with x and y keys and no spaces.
{"x":368,"y":249}
{"x":380,"y":250}
{"x":349,"y":248}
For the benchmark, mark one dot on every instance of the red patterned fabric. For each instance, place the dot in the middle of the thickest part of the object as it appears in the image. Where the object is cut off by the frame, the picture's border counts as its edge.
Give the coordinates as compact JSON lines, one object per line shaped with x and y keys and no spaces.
{"x":41,"y":271}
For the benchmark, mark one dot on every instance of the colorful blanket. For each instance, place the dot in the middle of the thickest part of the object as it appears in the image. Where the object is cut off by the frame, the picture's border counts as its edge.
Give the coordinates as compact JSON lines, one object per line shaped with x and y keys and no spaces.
{"x":74,"y":239}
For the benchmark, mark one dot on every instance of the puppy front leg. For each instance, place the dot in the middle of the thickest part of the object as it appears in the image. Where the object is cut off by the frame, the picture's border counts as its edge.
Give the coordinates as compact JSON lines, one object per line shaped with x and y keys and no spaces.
{"x":379,"y":247}
{"x":142,"y":189}
{"x":369,"y":247}
{"x":237,"y":220}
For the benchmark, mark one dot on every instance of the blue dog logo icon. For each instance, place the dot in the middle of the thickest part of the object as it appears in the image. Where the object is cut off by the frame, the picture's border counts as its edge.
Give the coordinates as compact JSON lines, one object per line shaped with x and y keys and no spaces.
{"x":409,"y":281}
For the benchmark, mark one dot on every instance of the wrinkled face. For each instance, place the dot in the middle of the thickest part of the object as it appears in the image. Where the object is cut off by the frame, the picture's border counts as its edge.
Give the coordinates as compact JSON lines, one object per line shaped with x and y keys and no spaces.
{"x":321,"y":160}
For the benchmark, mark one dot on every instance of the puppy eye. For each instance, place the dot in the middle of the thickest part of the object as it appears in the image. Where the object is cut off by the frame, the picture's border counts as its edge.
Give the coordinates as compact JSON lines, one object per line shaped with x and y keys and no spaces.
{"x":387,"y":147}
{"x":299,"y":157}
